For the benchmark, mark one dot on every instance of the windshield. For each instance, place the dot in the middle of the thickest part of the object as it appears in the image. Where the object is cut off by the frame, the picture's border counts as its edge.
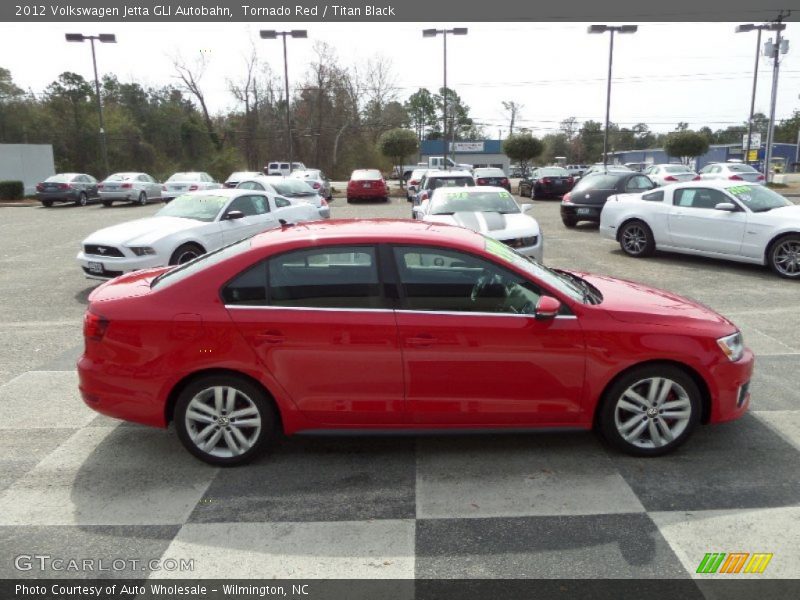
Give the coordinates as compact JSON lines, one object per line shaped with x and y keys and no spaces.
{"x":292,"y":187}
{"x":184,"y":177}
{"x":758,"y":198}
{"x":201,"y":262}
{"x":198,"y":207}
{"x":597,"y":182}
{"x":558,"y":282}
{"x":447,"y":202}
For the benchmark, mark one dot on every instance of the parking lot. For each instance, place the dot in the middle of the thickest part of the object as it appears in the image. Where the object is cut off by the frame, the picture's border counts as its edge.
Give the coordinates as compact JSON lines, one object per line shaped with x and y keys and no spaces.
{"x":76,"y":484}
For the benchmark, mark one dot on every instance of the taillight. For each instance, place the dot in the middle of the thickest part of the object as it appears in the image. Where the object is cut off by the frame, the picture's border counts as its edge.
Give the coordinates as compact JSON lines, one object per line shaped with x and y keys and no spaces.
{"x":39,"y":187}
{"x":735,"y":178}
{"x":413,"y":182}
{"x":63,"y":186}
{"x":546,"y":180}
{"x":697,"y":178}
{"x":481,"y":181}
{"x":567,"y":198}
{"x":760,"y":177}
{"x":163,"y":188}
{"x":424,"y":196}
{"x":193,"y":187}
{"x":316,"y":185}
{"x":126,"y":186}
{"x":504,"y":181}
{"x":99,"y":186}
{"x":94,"y":326}
{"x":570,"y":180}
{"x":323,"y":202}
{"x":669,"y":178}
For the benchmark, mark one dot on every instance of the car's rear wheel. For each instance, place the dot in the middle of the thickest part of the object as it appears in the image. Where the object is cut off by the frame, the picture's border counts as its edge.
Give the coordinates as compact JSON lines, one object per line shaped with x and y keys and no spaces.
{"x":636,"y":239}
{"x":186,"y":252}
{"x":142,"y":198}
{"x":225,"y":420}
{"x":569,"y":221}
{"x":82,"y":199}
{"x":107,"y":203}
{"x":47,"y":203}
{"x":651,"y":410}
{"x":784,"y":256}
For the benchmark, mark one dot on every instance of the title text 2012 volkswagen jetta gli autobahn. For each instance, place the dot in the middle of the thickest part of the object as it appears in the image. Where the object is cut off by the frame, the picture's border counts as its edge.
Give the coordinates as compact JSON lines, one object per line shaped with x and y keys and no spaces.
{"x":387,"y":325}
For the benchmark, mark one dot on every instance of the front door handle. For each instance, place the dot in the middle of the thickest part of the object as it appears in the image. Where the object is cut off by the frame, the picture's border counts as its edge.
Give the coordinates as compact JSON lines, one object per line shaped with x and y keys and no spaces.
{"x":421,"y":341}
{"x":270,"y":337}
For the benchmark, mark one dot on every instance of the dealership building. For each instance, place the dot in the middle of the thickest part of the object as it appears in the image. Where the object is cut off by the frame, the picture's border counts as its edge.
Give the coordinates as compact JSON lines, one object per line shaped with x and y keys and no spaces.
{"x":784,"y":156}
{"x":484,"y":153}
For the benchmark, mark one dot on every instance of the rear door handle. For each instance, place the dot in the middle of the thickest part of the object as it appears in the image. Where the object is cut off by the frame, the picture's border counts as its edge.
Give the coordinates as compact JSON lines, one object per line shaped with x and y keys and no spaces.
{"x":421,"y":340}
{"x":270,"y":337}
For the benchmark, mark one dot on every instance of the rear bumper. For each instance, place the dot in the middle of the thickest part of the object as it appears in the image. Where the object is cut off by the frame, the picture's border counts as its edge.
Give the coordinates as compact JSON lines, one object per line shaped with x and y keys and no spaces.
{"x":366,"y":194}
{"x":581,"y":212}
{"x":68,"y":196}
{"x":114,"y":396}
{"x":552,"y":190}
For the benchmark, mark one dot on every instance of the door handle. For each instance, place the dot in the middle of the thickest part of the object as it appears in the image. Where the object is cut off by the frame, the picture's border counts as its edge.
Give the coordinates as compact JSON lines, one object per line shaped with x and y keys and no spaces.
{"x":421,"y":340}
{"x":270,"y":337}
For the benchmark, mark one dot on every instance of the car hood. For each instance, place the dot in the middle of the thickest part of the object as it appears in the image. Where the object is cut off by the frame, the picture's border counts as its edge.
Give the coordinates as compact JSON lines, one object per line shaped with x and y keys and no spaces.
{"x":142,"y":231}
{"x":778,"y":216}
{"x":496,"y":225}
{"x":631,"y":302}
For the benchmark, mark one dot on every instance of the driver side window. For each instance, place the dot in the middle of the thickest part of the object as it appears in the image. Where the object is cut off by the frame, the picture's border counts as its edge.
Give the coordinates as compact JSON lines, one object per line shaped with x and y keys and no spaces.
{"x":435,"y":279}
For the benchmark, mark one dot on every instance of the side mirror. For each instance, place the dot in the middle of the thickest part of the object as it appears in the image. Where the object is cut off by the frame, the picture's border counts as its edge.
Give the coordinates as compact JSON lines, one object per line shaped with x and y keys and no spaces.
{"x":526,"y":207}
{"x":418,"y":212}
{"x":726,"y":206}
{"x":547,"y":308}
{"x":233,"y":215}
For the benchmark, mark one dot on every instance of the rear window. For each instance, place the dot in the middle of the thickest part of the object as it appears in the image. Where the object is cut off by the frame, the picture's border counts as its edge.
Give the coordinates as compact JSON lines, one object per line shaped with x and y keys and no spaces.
{"x":741,"y":169}
{"x":370,"y":174}
{"x":597,"y":182}
{"x":489,"y":173}
{"x":185,"y":177}
{"x":58,"y":178}
{"x":121,"y":176}
{"x":553,"y":172}
{"x":677,"y":169}
{"x":437,"y":182}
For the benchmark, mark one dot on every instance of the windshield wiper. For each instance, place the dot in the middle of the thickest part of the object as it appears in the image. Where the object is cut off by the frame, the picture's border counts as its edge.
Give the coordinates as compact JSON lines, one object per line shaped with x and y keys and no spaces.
{"x":590,"y":295}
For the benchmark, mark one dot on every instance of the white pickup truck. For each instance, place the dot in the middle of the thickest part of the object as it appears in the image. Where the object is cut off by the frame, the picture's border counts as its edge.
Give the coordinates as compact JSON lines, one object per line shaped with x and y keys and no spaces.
{"x":434,"y":162}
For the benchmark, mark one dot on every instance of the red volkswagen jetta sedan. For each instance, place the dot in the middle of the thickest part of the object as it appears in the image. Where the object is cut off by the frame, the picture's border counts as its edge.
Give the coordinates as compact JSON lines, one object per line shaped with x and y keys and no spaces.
{"x":386,"y":325}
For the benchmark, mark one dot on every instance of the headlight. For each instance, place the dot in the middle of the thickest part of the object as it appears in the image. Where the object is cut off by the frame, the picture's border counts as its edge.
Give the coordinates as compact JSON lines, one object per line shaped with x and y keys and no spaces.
{"x":732,"y":346}
{"x":142,"y":250}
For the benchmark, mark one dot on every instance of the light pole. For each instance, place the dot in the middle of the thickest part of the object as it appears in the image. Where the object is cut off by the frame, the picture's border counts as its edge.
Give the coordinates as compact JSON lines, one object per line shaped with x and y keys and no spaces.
{"x":612,"y":29}
{"x":744,"y":29}
{"x":271,"y":34}
{"x":774,"y":51}
{"x":444,"y":32}
{"x":105,"y":38}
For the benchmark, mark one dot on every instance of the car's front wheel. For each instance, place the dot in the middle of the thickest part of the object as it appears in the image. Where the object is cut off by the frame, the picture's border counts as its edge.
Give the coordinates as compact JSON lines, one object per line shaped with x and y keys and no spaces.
{"x":108,"y":203}
{"x":184,"y":253}
{"x":83,"y":199}
{"x":636,"y":239}
{"x":651,"y":410}
{"x":784,"y":256}
{"x":225,"y":420}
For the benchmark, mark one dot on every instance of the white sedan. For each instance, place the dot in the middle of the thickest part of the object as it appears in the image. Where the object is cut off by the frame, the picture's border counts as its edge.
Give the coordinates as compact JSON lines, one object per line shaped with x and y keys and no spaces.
{"x":489,"y":210}
{"x":190,"y":225}
{"x":734,"y":220}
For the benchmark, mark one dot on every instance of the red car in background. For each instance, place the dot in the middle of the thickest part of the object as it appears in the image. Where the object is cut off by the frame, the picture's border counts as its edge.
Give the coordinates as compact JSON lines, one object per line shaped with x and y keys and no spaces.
{"x":398,"y":324}
{"x":367,"y":184}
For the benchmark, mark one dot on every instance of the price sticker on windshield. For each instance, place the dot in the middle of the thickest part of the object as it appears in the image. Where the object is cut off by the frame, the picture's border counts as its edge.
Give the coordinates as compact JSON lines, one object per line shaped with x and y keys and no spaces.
{"x":457,"y":196}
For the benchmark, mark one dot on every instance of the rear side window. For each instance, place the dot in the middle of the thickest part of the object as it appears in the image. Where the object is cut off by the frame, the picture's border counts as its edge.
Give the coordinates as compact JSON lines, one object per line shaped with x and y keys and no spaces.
{"x":334,"y":277}
{"x":248,"y":288}
{"x":657,"y":196}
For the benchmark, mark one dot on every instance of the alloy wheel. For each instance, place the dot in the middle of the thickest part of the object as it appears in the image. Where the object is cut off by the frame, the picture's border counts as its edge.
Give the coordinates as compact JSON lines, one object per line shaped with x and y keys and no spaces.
{"x":786,"y":258}
{"x":222,"y":421}
{"x":652,"y":412}
{"x":634,"y":239}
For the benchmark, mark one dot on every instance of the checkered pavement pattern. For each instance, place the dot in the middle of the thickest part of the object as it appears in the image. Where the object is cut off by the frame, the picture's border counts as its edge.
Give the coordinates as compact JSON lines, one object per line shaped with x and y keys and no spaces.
{"x":75,"y":484}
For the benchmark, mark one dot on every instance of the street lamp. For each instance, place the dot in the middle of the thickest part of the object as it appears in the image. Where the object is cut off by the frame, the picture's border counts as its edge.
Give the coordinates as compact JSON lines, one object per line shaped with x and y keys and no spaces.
{"x":271,"y":34}
{"x":433,"y":33}
{"x":613,"y":30}
{"x":104,"y":38}
{"x":744,"y":29}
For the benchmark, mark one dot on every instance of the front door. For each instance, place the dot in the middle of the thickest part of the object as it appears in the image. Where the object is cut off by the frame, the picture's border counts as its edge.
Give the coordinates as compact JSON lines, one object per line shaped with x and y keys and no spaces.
{"x":694,"y":223}
{"x":323,"y":331}
{"x":473,"y":353}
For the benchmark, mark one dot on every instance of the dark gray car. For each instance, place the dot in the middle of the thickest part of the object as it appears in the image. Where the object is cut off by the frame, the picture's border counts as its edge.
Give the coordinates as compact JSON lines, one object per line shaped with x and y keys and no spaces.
{"x":77,"y":188}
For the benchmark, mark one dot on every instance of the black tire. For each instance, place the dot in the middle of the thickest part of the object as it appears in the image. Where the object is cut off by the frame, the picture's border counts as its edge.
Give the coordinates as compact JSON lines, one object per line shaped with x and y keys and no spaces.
{"x":636,"y":239}
{"x":570,"y":222}
{"x":385,"y":199}
{"x":783,"y":256}
{"x":534,"y":195}
{"x":108,"y":203}
{"x":349,"y":200}
{"x":186,"y":252}
{"x":612,"y":417}
{"x":142,"y":200}
{"x":47,"y":203}
{"x":247,"y":396}
{"x":82,"y":200}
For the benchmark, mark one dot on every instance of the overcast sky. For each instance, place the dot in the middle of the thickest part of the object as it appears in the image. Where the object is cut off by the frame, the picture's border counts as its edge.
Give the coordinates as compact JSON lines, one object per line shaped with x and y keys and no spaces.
{"x":667,"y":72}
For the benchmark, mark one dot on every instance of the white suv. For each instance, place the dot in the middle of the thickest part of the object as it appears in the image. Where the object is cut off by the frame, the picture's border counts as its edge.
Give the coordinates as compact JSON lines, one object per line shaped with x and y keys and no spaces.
{"x":282,"y":168}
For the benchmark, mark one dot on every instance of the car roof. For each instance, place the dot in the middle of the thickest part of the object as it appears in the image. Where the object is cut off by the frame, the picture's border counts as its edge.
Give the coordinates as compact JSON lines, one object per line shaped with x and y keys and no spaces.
{"x":713,"y":183}
{"x":370,"y":231}
{"x":225,"y":192}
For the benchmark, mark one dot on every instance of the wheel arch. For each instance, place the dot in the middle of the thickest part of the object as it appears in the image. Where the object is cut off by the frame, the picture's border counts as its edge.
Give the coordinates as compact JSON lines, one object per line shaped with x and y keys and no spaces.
{"x":172,"y":397}
{"x":698,"y":379}
{"x":774,"y":240}
{"x":629,"y":218}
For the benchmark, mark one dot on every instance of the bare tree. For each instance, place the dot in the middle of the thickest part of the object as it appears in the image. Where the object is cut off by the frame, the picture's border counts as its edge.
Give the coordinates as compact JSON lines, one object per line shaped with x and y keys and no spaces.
{"x":190,"y":77}
{"x":514,"y":110}
{"x":245,"y":91}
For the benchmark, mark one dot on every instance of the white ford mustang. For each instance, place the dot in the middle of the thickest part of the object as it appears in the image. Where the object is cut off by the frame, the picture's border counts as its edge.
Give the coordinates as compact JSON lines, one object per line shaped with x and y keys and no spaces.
{"x":187,"y":227}
{"x":489,"y":210}
{"x":734,"y":220}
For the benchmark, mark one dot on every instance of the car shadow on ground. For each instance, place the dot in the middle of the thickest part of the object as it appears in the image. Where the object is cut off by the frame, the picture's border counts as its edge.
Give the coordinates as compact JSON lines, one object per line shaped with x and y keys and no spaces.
{"x":82,"y":297}
{"x":701,"y":262}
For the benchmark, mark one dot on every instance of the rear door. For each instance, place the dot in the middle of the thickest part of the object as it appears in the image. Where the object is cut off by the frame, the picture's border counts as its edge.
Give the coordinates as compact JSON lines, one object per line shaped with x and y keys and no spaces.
{"x":319,"y":322}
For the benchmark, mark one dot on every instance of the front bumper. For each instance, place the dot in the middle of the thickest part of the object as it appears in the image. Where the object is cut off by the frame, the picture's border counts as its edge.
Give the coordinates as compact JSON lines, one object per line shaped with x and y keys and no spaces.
{"x":114,"y":266}
{"x":731,"y":399}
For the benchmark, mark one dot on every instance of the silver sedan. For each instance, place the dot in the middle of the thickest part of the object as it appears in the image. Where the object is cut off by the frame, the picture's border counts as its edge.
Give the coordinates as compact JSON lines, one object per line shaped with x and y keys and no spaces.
{"x":129,"y":187}
{"x":670,"y":173}
{"x":317,"y":180}
{"x":192,"y":181}
{"x":732,"y":170}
